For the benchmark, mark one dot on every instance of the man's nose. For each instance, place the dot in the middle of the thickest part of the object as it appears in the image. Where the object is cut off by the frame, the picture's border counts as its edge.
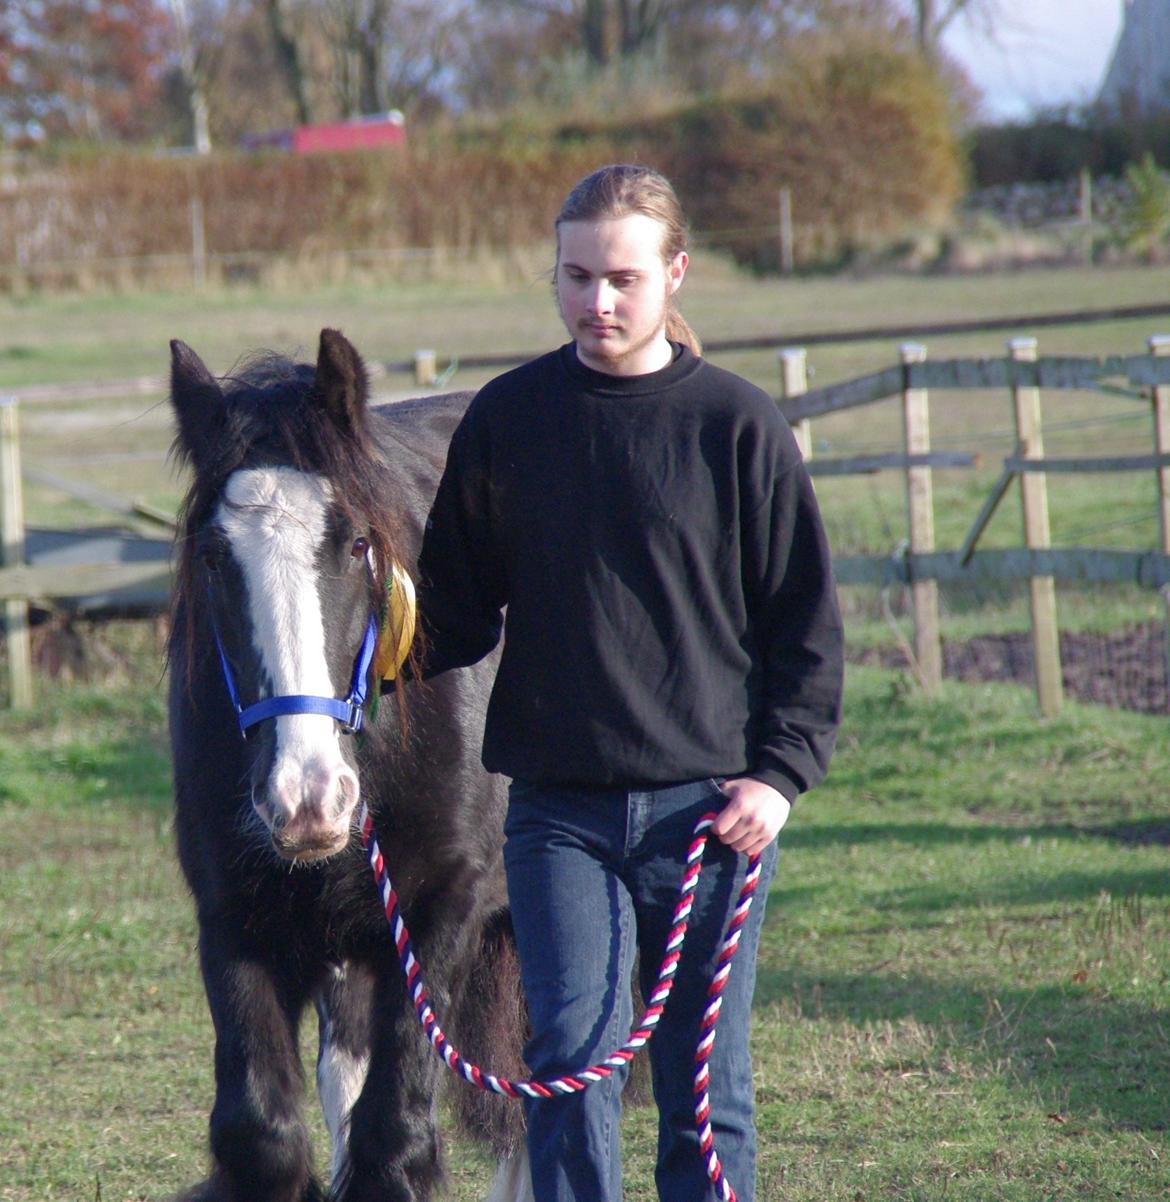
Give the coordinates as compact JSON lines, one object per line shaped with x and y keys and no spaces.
{"x":600,"y":298}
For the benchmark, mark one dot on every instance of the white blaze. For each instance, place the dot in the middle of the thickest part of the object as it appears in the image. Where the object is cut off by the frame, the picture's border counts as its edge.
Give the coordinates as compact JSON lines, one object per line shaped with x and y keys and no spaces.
{"x":274,"y":518}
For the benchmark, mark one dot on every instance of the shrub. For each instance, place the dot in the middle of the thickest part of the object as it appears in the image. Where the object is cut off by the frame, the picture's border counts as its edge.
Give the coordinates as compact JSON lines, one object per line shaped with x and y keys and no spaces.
{"x":860,"y":133}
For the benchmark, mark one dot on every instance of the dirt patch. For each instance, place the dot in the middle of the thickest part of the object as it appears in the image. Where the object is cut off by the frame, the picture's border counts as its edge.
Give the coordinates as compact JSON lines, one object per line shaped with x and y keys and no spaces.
{"x":1124,"y":669}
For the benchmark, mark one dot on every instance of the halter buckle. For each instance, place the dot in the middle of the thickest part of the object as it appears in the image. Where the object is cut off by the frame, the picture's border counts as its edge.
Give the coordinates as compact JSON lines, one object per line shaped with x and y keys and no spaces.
{"x":352,"y":722}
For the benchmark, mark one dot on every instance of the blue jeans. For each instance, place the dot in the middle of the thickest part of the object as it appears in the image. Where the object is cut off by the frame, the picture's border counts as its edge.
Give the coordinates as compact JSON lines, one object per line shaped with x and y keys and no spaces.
{"x":592,"y":875}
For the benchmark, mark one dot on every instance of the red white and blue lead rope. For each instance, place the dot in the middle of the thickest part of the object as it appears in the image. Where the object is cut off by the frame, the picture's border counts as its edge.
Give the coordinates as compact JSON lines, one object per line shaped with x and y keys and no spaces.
{"x":639,"y":1036}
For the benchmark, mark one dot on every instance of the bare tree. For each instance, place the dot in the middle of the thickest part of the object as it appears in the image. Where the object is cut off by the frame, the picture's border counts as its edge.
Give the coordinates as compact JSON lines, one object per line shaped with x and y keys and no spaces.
{"x":606,"y":29}
{"x":932,"y":18}
{"x":388,"y":53}
{"x":193,"y":69}
{"x":290,"y":57}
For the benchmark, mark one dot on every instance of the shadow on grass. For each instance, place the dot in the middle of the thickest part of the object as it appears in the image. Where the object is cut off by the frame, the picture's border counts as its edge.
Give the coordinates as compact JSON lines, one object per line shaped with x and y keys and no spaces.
{"x":1083,"y":1055}
{"x":914,"y":834}
{"x":1141,"y":832}
{"x":1033,"y":890}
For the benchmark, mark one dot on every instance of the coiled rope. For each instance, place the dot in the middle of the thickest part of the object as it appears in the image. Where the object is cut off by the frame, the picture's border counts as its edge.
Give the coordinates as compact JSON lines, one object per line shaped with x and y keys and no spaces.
{"x":641,"y":1033}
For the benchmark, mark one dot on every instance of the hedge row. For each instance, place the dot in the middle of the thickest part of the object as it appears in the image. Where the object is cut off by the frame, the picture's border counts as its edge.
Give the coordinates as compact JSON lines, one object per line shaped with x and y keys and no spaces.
{"x":863,"y":142}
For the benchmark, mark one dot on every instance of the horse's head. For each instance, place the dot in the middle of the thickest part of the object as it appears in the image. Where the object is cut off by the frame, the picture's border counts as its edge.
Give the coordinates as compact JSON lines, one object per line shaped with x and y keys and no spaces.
{"x":285,"y":548}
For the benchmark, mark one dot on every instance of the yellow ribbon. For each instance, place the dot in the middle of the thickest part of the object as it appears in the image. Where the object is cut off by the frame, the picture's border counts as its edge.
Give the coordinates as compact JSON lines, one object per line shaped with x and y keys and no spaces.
{"x":397,"y":633}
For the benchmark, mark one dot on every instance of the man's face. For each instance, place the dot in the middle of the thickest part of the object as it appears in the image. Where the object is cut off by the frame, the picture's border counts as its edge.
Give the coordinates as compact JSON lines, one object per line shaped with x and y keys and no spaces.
{"x":613,"y":288}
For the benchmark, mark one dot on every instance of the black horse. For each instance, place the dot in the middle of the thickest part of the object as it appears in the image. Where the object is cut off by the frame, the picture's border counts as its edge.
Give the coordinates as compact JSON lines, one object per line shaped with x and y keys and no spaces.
{"x":303,"y":502}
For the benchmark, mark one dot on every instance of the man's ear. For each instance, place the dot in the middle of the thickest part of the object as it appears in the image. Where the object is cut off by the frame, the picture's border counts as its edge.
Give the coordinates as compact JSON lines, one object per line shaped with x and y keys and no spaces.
{"x":676,"y":269}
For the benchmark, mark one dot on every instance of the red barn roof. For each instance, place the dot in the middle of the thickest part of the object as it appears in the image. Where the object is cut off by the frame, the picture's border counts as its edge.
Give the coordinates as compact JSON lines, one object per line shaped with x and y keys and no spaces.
{"x":385,"y":129}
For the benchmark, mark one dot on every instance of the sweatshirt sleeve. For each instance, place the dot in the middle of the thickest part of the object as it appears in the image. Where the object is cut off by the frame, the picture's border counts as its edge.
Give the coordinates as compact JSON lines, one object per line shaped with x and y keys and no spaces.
{"x":462,"y":587}
{"x":798,"y":633}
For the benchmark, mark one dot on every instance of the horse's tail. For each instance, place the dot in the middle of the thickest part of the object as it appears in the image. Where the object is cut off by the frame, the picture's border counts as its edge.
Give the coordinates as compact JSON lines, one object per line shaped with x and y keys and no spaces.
{"x":490,"y":1024}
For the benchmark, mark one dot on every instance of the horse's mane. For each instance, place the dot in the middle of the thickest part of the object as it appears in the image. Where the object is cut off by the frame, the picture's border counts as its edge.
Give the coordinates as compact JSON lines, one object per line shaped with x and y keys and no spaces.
{"x":271,"y":417}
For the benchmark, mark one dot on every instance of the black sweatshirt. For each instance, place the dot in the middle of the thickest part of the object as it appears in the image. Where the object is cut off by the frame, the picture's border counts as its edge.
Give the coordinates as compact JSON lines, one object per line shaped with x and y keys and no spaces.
{"x":671,"y":613}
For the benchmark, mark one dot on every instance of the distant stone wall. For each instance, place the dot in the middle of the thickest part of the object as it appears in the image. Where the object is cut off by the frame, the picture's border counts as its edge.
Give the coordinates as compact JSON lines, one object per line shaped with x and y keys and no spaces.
{"x":1034,"y":205}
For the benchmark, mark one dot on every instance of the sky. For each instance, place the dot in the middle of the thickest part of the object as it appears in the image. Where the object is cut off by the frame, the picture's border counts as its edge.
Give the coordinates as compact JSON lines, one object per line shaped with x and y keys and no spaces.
{"x":1041,"y":54}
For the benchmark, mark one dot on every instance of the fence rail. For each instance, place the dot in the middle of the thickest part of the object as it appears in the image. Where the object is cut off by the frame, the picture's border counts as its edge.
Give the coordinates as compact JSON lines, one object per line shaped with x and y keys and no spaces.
{"x":1140,"y":371}
{"x":920,"y":565}
{"x":1143,"y":379}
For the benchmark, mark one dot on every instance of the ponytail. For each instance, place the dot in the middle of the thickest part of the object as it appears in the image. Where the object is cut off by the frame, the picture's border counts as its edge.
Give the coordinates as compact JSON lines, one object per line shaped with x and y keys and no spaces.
{"x":677,"y":330}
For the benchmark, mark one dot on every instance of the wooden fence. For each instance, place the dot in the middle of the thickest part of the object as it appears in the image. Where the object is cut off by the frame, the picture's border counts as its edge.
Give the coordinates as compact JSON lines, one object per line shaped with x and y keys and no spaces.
{"x":922,"y":567}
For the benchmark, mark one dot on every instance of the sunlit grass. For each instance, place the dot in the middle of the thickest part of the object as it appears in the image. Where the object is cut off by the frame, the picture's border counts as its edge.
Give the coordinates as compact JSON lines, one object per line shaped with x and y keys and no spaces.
{"x":963,"y":987}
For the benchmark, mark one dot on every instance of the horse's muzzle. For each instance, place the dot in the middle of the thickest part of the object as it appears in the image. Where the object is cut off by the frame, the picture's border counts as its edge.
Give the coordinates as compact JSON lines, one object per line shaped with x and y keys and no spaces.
{"x":309,"y":813}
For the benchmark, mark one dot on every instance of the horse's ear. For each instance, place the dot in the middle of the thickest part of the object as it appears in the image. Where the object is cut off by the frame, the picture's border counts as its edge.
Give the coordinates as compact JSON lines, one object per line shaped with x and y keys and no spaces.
{"x":197,"y":400}
{"x":342,"y":384}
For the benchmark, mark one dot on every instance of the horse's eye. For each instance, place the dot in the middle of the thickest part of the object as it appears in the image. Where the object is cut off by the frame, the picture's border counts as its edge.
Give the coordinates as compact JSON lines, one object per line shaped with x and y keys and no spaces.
{"x":211,"y":556}
{"x":360,"y":548}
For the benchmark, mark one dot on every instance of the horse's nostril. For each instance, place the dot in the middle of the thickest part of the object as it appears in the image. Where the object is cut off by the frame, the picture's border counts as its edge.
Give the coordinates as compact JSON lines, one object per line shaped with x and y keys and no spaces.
{"x":264,"y":807}
{"x":347,"y":793}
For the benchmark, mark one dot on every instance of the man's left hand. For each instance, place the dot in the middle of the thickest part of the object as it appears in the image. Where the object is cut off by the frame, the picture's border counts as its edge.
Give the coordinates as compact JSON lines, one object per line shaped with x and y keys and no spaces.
{"x":753,"y":815}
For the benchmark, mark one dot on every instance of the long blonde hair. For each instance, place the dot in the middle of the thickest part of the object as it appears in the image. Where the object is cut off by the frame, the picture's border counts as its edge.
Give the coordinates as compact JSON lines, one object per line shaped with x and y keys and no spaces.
{"x":620,"y":190}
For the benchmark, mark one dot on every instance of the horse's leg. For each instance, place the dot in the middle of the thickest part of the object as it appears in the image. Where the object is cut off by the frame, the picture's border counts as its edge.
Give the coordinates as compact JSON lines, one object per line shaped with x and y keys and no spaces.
{"x":393,"y":1146}
{"x":259,"y":1145}
{"x":394,"y":1151}
{"x":344,"y":1007}
{"x":513,"y":1180}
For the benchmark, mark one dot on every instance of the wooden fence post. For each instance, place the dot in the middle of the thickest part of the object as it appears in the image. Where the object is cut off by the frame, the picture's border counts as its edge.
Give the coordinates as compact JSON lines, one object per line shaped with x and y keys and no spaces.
{"x":920,"y":511}
{"x":20,"y":687}
{"x":198,"y":244}
{"x":794,"y":383}
{"x":1037,"y":535}
{"x":1159,"y":346}
{"x":426,"y":371}
{"x":787,"y":249}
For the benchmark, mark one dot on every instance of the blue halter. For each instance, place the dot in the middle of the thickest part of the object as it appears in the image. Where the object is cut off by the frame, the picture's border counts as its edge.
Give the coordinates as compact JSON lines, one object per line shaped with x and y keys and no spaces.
{"x":348,"y":711}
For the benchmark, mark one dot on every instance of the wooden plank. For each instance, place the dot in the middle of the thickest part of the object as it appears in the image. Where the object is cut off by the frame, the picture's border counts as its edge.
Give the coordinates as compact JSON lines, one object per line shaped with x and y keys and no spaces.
{"x":1150,"y":371}
{"x":1160,"y":405}
{"x":983,"y":518}
{"x":864,"y":390}
{"x":920,"y":519}
{"x":99,"y":498}
{"x":1159,"y":346}
{"x":51,"y":582}
{"x":1037,"y":536}
{"x":1055,"y":372}
{"x":862,"y":465}
{"x":1122,"y":463}
{"x":16,"y":628}
{"x":1078,"y":565}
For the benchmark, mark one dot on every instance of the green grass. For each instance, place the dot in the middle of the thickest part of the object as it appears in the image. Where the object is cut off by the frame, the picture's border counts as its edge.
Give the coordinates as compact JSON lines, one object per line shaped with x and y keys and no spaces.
{"x":120,"y":444}
{"x":48,"y":339}
{"x":964,"y":986}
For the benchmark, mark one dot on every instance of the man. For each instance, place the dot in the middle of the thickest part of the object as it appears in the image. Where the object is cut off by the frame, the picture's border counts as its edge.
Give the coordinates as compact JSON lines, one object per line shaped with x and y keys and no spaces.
{"x":673,"y":646}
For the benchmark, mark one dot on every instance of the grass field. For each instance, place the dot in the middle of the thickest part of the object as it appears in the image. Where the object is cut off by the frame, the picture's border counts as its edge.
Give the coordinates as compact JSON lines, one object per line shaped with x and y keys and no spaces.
{"x":964,"y":986}
{"x":965,"y":982}
{"x":120,"y":442}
